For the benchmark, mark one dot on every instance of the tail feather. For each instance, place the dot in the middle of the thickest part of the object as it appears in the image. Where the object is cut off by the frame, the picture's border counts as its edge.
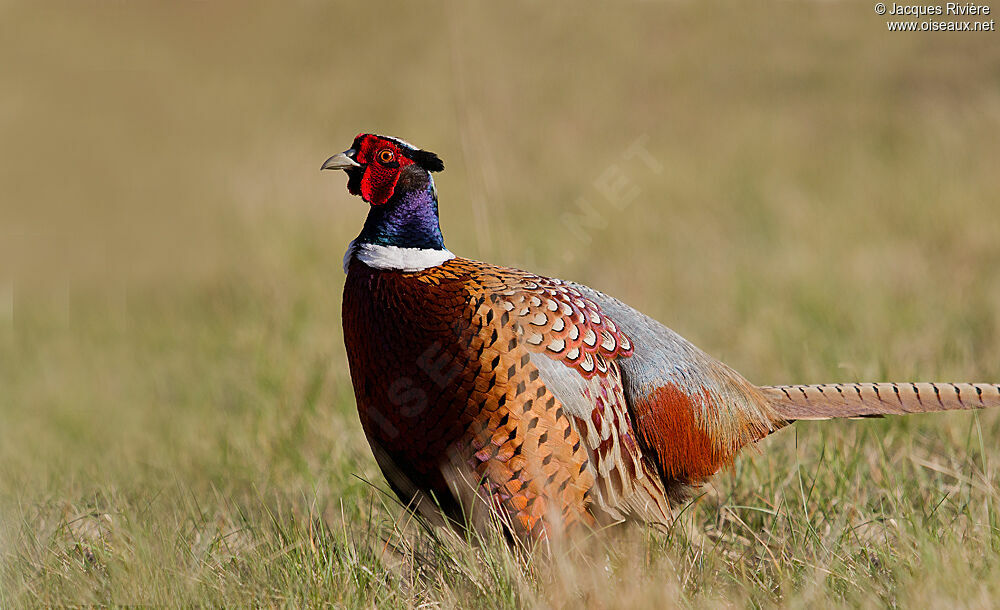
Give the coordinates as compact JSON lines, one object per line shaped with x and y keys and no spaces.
{"x":827,"y":401}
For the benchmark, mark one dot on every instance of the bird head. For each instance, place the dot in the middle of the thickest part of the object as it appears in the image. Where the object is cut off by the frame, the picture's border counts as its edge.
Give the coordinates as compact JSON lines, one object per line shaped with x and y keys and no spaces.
{"x":377,"y":165}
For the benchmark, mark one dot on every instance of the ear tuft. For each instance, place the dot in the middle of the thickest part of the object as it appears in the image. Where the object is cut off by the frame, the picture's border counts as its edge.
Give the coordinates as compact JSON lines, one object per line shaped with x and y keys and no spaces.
{"x":427,"y":160}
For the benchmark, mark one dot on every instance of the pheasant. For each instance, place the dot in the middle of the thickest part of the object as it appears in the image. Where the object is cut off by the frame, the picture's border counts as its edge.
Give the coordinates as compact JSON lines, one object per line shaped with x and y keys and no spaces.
{"x":491,"y":394}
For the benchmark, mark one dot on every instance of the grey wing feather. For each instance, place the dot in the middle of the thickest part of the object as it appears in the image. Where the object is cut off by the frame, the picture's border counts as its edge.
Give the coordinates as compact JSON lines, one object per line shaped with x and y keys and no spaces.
{"x":663,"y":357}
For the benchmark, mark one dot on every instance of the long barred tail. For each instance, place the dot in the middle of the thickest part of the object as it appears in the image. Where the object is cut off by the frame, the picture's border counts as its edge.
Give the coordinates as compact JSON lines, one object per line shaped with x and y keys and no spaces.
{"x":828,"y":401}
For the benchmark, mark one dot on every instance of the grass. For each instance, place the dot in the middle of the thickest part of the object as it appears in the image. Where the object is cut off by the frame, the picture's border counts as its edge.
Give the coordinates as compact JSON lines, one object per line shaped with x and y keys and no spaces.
{"x":816,"y":202}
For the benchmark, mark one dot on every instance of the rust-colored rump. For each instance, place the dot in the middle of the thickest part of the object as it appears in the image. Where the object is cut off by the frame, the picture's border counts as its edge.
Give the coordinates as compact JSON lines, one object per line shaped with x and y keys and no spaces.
{"x":667,"y":424}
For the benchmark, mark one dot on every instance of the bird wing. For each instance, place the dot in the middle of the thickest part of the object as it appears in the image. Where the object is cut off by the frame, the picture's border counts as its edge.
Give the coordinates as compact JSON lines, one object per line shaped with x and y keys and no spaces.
{"x":577,"y":350}
{"x":691,"y":411}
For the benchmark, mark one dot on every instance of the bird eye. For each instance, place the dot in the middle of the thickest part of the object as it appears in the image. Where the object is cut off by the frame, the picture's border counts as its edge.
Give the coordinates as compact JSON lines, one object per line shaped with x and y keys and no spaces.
{"x":385,"y":155}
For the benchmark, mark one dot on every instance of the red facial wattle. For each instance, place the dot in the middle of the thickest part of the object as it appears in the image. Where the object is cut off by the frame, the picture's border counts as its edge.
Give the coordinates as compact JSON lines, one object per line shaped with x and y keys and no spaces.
{"x":382,"y":161}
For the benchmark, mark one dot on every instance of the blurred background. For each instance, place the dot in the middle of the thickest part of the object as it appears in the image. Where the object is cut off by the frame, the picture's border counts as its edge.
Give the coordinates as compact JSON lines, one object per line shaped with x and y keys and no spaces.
{"x":798,"y":191}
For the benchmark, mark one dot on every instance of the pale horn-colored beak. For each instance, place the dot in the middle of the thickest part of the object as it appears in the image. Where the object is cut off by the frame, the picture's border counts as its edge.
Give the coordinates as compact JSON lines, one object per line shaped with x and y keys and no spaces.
{"x":340,"y":161}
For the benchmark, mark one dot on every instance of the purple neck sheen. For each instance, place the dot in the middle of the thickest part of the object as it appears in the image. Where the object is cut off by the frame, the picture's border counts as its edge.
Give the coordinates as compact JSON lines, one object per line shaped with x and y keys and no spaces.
{"x":408,"y":220}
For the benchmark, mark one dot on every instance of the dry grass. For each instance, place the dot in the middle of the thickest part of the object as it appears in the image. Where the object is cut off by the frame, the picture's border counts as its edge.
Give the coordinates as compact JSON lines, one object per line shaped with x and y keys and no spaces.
{"x":176,"y":420}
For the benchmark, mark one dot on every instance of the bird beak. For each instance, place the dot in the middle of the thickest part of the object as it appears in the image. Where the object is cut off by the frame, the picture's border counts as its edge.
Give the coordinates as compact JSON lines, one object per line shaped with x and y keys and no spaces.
{"x":341,"y":161}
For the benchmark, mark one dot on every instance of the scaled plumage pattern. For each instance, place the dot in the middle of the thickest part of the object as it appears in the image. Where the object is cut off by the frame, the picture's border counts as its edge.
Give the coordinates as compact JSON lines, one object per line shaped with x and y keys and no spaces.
{"x":488,"y":392}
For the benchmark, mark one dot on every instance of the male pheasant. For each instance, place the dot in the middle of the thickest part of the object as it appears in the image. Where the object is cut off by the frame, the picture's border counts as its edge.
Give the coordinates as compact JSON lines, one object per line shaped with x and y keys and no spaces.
{"x":486,"y":391}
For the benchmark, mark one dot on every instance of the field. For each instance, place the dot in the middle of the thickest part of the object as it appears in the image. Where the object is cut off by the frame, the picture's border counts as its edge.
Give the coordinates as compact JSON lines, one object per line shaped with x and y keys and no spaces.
{"x":801,"y":193}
